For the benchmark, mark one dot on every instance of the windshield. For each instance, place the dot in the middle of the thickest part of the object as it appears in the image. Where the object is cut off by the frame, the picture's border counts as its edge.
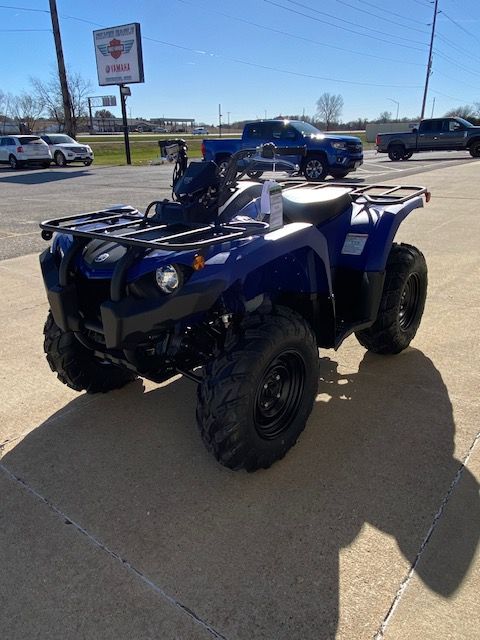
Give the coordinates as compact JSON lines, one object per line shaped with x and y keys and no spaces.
{"x":29,"y":140}
{"x":61,"y":139}
{"x":305,"y":128}
{"x":465,"y":123}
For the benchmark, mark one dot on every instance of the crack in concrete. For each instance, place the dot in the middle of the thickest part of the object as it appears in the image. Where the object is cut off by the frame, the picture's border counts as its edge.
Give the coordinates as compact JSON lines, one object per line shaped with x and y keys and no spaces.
{"x":124,"y":562}
{"x":380,"y":634}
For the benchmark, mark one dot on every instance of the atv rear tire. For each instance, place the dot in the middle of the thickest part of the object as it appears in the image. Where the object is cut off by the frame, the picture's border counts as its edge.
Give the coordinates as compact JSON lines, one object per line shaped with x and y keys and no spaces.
{"x":257,"y":395}
{"x":402,"y":303}
{"x":75,"y":365}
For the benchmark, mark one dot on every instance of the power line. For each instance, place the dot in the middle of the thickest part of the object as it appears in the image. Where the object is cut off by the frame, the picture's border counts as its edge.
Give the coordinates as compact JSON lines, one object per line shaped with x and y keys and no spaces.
{"x":457,"y":80}
{"x":278,"y":69}
{"x":252,"y":64}
{"x":358,"y":33}
{"x":392,"y":13}
{"x":329,"y":15}
{"x":375,"y":15}
{"x":460,"y":26}
{"x":302,"y":38}
{"x":7,"y":6}
{"x":454,"y":63}
{"x":22,"y":30}
{"x":458,"y":48}
{"x":445,"y":95}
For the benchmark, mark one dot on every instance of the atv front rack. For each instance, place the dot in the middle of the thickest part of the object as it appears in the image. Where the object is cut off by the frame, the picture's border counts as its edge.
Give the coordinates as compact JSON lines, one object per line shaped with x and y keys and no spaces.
{"x":372,"y":193}
{"x":126,"y":226}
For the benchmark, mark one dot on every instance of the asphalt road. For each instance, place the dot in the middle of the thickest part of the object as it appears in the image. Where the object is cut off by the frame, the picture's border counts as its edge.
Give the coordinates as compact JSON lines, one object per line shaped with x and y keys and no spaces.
{"x":30,"y":196}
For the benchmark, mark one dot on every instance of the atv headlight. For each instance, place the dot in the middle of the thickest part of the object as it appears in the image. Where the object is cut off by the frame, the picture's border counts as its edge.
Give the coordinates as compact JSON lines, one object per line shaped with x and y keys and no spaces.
{"x":168,"y":278}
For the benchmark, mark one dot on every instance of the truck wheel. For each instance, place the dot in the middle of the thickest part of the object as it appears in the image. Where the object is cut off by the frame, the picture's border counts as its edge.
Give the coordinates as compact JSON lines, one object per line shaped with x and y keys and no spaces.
{"x":75,"y":365}
{"x":396,"y":152}
{"x":222,"y":164}
{"x":474,"y":149}
{"x":407,"y":155}
{"x":256,"y":397}
{"x":315,"y":169}
{"x":402,"y":303}
{"x":338,"y":175}
{"x":254,"y":175}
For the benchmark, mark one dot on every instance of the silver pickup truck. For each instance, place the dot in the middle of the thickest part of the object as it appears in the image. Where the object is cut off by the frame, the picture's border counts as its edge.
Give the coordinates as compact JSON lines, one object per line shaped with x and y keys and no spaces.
{"x":438,"y":134}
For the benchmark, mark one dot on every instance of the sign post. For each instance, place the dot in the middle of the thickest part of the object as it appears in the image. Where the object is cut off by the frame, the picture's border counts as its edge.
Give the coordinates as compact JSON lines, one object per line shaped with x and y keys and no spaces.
{"x":118,"y":52}
{"x":124,"y":92}
{"x":99,"y":101}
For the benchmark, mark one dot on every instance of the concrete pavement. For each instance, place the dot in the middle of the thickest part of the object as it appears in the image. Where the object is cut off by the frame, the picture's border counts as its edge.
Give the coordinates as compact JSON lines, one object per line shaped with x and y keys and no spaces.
{"x":115,"y":522}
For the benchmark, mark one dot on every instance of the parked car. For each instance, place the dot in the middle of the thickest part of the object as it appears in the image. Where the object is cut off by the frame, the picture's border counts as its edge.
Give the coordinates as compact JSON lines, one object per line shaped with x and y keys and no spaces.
{"x":160,"y":129}
{"x":65,"y":149}
{"x":18,"y":151}
{"x":435,"y":134}
{"x":200,"y":131}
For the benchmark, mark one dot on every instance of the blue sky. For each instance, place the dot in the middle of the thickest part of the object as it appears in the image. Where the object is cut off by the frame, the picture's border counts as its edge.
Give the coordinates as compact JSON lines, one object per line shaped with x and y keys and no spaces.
{"x":260,"y":57}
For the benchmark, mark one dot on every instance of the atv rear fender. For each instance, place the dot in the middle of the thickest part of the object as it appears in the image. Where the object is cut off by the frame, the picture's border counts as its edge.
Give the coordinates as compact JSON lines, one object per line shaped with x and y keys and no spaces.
{"x":385,"y":230}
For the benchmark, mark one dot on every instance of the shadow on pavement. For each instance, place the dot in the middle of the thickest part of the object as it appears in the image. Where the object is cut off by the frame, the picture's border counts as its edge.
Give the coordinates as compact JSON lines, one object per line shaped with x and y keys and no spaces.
{"x":43,"y":176}
{"x":257,"y":555}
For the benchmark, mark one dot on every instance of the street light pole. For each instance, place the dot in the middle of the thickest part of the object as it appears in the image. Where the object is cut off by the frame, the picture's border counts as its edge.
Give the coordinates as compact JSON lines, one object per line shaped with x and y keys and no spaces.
{"x":398,"y":106}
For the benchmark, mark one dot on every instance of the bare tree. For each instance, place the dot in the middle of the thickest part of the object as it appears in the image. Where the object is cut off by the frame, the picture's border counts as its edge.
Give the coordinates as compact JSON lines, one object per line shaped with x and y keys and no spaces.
{"x":26,"y":110}
{"x":465,"y":111}
{"x":329,"y":108}
{"x":50,"y":94}
{"x":6,"y":103}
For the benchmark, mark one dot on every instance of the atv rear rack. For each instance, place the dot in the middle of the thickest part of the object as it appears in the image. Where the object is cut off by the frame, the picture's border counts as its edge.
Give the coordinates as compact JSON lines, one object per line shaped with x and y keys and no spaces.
{"x":126,"y":225}
{"x":372,"y":193}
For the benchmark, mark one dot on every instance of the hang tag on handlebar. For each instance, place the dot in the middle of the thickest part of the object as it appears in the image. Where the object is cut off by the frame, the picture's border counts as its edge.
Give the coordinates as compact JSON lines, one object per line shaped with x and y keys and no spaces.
{"x":271,"y":203}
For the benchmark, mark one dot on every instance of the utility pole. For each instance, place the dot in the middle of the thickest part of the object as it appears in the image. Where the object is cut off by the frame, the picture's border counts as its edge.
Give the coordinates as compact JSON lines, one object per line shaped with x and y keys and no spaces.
{"x":220,"y":120}
{"x":67,"y":103}
{"x":429,"y":65}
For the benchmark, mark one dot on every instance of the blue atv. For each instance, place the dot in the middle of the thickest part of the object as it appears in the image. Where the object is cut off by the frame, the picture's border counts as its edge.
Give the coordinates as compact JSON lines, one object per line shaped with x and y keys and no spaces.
{"x":235,"y":284}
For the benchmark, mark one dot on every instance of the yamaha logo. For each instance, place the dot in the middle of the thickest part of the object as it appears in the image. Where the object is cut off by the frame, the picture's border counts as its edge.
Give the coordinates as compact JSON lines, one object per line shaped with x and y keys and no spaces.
{"x":102,"y":257}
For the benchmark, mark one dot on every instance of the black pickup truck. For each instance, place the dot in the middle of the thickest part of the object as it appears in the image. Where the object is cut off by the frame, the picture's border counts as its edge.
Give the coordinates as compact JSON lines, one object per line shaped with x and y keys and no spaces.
{"x":437,"y":134}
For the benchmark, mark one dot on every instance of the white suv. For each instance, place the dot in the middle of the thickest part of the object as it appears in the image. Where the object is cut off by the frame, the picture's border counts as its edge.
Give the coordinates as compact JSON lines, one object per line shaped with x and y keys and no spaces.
{"x":18,"y":151}
{"x":65,"y":150}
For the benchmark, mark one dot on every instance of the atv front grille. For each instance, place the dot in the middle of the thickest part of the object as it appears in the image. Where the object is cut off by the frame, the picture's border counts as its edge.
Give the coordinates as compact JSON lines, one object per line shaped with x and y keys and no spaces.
{"x":91,"y":294}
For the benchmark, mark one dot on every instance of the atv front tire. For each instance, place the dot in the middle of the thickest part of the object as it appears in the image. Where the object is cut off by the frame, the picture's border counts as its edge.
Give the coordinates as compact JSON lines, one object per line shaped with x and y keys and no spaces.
{"x":257,"y":395}
{"x":75,"y":365}
{"x":402,"y":303}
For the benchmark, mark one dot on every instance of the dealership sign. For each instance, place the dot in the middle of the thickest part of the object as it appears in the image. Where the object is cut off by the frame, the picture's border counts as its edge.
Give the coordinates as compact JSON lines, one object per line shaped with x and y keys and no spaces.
{"x":118,"y":51}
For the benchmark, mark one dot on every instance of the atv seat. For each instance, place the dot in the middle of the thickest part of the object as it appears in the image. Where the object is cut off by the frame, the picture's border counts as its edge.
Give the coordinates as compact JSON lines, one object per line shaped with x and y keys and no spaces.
{"x":308,"y":204}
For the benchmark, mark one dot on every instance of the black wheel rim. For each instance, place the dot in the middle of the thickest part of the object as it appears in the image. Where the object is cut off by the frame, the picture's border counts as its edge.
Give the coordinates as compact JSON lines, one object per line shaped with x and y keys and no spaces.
{"x":409,"y":301}
{"x":279,"y":394}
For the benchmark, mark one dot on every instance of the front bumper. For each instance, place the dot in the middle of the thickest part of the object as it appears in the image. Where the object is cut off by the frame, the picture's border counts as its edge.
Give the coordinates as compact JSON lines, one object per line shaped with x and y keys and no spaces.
{"x":126,"y":322}
{"x":75,"y":157}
